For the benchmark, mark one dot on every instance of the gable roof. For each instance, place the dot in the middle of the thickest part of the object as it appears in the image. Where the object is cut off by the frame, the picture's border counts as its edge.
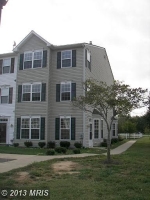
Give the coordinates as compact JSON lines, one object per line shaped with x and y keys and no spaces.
{"x":28,"y":37}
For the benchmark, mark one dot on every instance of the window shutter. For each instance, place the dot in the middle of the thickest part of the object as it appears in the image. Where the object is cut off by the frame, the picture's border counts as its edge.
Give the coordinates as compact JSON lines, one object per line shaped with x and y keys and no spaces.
{"x":73,"y":127}
{"x":73,"y":58}
{"x":58,"y":60}
{"x":73,"y":91}
{"x":19,"y":93}
{"x":1,"y":64}
{"x":44,"y":64}
{"x":90,"y":63}
{"x":12,"y":65}
{"x":85,"y":57}
{"x":10,"y":94}
{"x":57,"y":128}
{"x":43,"y":92}
{"x":57,"y":92}
{"x":21,"y":61}
{"x":18,"y":128}
{"x":0,"y":92}
{"x":42,"y":135}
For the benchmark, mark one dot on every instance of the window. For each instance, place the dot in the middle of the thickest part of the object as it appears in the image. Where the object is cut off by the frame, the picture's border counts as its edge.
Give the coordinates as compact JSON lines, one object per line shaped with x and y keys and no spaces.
{"x":96,"y":128}
{"x":113,"y":129}
{"x":30,"y":127}
{"x":65,"y":125}
{"x":33,"y":59}
{"x":102,"y":128}
{"x":66,"y":58}
{"x":66,"y":91}
{"x":6,"y":65}
{"x":4,"y":95}
{"x":88,"y":59}
{"x":31,"y":92}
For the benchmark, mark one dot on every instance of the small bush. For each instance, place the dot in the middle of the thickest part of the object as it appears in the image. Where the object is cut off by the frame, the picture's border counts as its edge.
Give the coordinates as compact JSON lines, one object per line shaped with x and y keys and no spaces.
{"x":15,"y":144}
{"x":60,"y":149}
{"x":78,"y":145}
{"x":103,"y":144}
{"x":51,"y":144}
{"x":76,"y":151}
{"x":28,"y":144}
{"x":65,"y":144}
{"x":41,"y":144}
{"x":114,"y":140}
{"x":120,"y":138}
{"x":50,"y":152}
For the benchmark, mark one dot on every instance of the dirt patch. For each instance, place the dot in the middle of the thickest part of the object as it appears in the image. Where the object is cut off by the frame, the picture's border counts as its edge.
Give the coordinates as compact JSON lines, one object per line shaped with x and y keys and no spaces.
{"x":64,"y":167}
{"x":22,"y":176}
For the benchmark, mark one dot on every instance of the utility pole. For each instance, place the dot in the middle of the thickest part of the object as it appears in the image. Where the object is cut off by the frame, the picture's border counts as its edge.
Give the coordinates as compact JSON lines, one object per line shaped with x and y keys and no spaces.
{"x":2,"y":3}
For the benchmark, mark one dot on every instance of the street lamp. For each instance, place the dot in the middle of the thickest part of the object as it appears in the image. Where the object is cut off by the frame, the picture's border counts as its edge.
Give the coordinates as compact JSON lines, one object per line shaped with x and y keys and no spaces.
{"x":2,"y":3}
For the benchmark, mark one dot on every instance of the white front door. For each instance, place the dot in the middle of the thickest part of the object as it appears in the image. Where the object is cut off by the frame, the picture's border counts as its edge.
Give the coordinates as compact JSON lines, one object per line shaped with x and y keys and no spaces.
{"x":90,"y":136}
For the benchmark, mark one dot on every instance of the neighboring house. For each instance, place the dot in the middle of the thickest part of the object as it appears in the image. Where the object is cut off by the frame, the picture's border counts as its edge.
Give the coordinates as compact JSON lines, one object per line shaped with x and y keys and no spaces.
{"x":48,"y":78}
{"x":8,"y":70}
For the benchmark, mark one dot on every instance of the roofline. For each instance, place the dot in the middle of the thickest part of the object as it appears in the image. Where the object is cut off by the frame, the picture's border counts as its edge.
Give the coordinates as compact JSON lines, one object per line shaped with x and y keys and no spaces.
{"x":7,"y":54}
{"x":28,"y":36}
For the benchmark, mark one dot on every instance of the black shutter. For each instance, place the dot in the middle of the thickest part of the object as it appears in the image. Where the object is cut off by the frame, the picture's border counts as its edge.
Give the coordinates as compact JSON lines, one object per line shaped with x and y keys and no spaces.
{"x":12,"y":65}
{"x":73,"y":58}
{"x":73,"y":128}
{"x":10,"y":94}
{"x":58,"y":60}
{"x":57,"y":128}
{"x":21,"y":61}
{"x":19,"y":93}
{"x":90,"y":63}
{"x":43,"y":92}
{"x":57,"y":92}
{"x":1,"y":64}
{"x":44,"y":64}
{"x":18,"y":128}
{"x":85,"y":57}
{"x":73,"y":91}
{"x":42,"y":135}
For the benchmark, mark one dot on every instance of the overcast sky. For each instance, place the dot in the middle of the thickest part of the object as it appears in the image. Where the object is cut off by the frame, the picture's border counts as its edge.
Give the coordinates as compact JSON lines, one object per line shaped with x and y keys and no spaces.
{"x":121,"y":26}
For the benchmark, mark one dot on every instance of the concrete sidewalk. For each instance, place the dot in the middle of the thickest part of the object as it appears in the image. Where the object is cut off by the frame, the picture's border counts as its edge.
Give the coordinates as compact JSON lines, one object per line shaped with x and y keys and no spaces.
{"x":122,"y":148}
{"x":24,"y":160}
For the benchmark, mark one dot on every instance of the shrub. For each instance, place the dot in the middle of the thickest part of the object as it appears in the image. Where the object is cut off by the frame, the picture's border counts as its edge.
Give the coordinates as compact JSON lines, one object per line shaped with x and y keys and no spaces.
{"x":65,"y":144}
{"x":78,"y":145}
{"x":51,"y":144}
{"x":60,"y":149}
{"x":15,"y":144}
{"x":103,"y":144}
{"x":76,"y":151}
{"x":114,"y":140}
{"x":28,"y":144}
{"x":50,"y":152}
{"x":120,"y":138}
{"x":41,"y":144}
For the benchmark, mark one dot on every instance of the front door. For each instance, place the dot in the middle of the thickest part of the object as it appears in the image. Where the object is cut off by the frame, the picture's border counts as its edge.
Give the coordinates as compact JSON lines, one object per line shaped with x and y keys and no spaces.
{"x":2,"y":133}
{"x":90,"y":136}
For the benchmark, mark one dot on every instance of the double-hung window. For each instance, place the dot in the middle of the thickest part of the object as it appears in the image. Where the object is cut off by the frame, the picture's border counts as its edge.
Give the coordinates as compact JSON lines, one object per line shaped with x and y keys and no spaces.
{"x":65,"y":126}
{"x":4,"y":95}
{"x":66,"y":58}
{"x":6,"y":65}
{"x":33,"y":59}
{"x":96,"y":128}
{"x":30,"y":128}
{"x":113,"y":129}
{"x":65,"y":91}
{"x":88,"y":59}
{"x":31,"y":92}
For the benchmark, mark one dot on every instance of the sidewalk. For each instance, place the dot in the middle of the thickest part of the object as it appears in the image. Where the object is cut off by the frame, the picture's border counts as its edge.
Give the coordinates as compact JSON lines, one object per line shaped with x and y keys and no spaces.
{"x":18,"y":161}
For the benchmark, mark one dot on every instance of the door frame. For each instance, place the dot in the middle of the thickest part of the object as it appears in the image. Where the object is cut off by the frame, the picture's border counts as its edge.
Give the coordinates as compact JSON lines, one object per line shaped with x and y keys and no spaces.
{"x":90,"y":134}
{"x":6,"y":132}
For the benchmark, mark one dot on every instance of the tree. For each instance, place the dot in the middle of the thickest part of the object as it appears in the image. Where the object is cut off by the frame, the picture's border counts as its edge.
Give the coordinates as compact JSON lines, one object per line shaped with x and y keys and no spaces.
{"x":109,"y":101}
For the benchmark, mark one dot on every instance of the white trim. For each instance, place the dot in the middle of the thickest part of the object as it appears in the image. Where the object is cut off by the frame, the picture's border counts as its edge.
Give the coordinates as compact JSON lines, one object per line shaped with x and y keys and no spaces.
{"x":65,"y":59}
{"x":67,"y":117}
{"x":65,"y":82}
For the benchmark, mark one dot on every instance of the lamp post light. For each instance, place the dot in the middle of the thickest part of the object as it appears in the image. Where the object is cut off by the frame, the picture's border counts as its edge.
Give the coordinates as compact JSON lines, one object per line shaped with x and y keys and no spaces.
{"x":2,"y":3}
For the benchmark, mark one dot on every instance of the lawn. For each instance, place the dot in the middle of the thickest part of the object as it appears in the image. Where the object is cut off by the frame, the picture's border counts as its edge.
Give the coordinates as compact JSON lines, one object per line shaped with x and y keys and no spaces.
{"x":128,"y":178}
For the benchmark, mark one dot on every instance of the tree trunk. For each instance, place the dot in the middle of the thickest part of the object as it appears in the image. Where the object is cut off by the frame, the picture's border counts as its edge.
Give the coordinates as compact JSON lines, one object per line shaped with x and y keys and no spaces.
{"x":108,"y":148}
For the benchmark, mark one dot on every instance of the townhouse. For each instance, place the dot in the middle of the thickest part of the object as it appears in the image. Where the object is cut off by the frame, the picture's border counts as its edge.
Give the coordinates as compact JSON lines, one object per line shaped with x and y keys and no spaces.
{"x":48,"y":78}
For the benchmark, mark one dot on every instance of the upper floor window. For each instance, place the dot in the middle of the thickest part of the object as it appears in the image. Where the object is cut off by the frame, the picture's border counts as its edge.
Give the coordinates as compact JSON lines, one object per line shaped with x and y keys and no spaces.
{"x":65,"y":125}
{"x":33,"y":59}
{"x":7,"y":65}
{"x":66,"y":59}
{"x":88,"y":59}
{"x":6,"y":95}
{"x":65,"y":91}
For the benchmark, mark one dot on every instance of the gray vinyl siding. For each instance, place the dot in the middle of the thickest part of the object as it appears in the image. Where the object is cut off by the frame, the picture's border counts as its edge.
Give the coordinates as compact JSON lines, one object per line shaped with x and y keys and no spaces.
{"x":31,"y":76}
{"x":65,"y":108}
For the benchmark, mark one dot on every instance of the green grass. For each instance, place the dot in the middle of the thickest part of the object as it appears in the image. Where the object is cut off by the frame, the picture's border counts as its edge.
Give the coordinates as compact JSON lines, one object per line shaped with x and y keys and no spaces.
{"x":128,"y":178}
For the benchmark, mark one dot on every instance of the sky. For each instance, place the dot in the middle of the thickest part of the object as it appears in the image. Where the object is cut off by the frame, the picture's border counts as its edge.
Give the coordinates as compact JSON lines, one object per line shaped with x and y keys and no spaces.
{"x":120,"y":26}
